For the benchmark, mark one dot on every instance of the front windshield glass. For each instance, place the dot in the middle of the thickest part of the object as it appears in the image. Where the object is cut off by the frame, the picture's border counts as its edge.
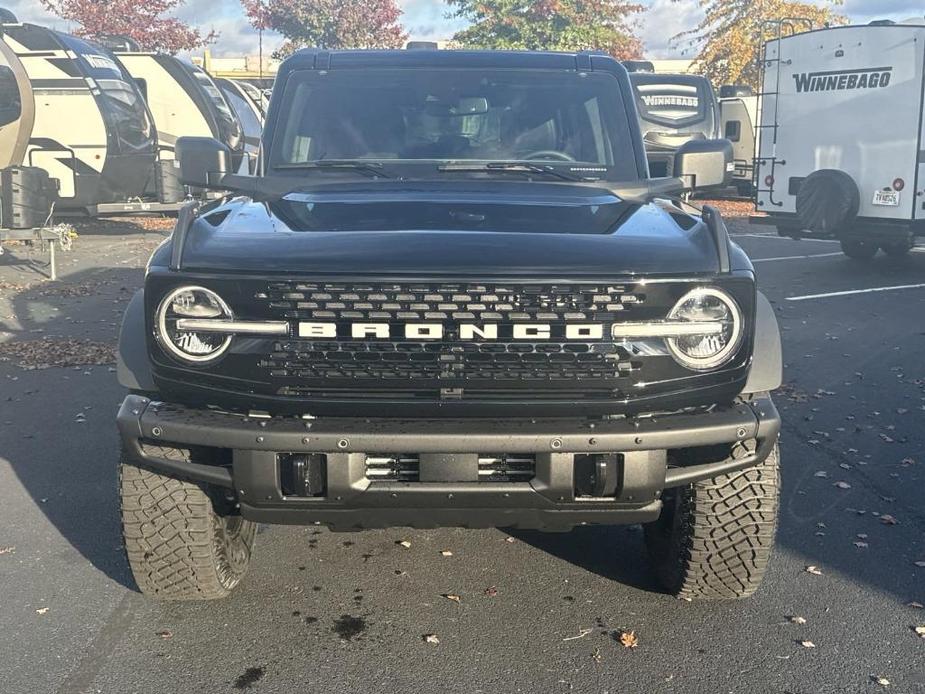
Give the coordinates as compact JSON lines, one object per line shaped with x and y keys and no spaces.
{"x":555,"y":118}
{"x":120,"y":101}
{"x":675,"y":102}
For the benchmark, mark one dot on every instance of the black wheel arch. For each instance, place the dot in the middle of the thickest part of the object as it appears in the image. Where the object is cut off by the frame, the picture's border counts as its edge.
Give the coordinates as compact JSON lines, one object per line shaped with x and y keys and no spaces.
{"x":133,"y":368}
{"x":767,"y":369}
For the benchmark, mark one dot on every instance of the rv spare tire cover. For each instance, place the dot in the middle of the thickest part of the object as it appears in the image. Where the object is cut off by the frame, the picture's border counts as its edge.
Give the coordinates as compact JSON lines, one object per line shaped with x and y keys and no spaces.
{"x":827,"y":200}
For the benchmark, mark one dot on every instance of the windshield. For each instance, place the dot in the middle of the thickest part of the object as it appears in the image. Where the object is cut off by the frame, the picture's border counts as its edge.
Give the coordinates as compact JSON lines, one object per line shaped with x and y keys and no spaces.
{"x":674,"y":102}
{"x":230,"y":127}
{"x":120,"y":100}
{"x":556,"y":118}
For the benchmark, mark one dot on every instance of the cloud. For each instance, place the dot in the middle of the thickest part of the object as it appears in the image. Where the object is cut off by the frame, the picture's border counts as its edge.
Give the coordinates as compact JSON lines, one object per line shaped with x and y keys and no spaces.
{"x":664,"y":20}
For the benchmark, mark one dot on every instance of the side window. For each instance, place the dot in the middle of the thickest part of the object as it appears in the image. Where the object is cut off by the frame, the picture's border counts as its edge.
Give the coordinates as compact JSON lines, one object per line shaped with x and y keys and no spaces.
{"x":733,"y":130}
{"x":10,"y":106}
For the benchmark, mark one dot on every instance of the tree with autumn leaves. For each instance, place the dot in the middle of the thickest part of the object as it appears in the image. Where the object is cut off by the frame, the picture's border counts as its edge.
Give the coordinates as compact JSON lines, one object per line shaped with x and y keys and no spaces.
{"x":565,"y":25}
{"x":329,"y":23}
{"x":728,"y":40}
{"x":143,"y":21}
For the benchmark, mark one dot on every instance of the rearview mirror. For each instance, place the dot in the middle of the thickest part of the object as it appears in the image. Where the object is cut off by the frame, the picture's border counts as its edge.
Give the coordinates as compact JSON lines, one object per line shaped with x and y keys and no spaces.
{"x":704,"y":164}
{"x":203,"y":161}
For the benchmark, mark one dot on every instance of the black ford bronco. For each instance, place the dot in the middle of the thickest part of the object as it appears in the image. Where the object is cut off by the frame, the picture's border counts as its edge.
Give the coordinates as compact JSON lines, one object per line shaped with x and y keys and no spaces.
{"x":450,"y":296}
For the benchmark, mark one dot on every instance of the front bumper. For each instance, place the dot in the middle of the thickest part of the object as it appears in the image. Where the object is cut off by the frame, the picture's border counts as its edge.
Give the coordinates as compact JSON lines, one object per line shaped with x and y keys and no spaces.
{"x":252,"y":447}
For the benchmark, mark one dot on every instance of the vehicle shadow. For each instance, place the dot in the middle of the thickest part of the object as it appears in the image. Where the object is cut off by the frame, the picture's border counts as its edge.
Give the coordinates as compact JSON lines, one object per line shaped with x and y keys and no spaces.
{"x":59,"y":398}
{"x":616,"y":553}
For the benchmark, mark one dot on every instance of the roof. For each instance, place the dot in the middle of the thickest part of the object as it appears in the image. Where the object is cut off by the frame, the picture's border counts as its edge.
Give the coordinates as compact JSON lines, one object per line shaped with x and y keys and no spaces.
{"x":313,"y":58}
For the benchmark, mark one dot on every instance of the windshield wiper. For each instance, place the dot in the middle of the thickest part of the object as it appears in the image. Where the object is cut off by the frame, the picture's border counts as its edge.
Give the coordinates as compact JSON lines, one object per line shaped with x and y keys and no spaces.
{"x":373,"y":169}
{"x":512,"y":166}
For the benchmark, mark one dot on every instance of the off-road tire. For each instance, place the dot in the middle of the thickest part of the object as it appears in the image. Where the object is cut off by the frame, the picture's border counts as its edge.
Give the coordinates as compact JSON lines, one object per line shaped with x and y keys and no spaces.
{"x":182,"y":539}
{"x":714,"y":538}
{"x":859,"y":250}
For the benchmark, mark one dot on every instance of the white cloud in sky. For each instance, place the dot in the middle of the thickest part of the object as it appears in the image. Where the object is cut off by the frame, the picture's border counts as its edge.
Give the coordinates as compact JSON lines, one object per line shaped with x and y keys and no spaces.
{"x":426,"y":19}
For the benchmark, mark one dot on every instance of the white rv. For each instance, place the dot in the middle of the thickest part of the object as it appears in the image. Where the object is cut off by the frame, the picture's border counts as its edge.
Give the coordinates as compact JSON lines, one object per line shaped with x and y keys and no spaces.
{"x":89,"y":129}
{"x":248,"y":111}
{"x":184,"y":101}
{"x":738,"y":116}
{"x":842,"y":144}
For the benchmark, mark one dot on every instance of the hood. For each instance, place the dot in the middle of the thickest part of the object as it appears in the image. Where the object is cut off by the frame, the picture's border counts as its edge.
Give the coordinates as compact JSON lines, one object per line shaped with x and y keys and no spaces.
{"x":485,"y":228}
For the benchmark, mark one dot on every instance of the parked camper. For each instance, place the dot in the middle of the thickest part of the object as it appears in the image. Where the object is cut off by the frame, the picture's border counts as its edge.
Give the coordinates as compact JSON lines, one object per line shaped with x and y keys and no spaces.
{"x":17,"y":108}
{"x":738,"y":116}
{"x":184,"y":100}
{"x":673,"y":109}
{"x":91,"y":130}
{"x":842,"y":136}
{"x":246,"y":109}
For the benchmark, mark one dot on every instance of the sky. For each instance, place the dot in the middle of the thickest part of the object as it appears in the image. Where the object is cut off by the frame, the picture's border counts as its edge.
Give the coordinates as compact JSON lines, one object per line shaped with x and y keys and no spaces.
{"x":426,"y":19}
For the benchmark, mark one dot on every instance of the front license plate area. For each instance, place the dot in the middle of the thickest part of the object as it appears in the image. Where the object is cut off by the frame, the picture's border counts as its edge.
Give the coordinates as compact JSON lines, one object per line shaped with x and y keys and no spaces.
{"x":886,"y":198}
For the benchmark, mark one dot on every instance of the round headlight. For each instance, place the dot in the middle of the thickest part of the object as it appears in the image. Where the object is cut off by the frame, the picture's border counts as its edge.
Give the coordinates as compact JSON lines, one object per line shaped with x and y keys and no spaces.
{"x":192,"y":303}
{"x":721,"y":319}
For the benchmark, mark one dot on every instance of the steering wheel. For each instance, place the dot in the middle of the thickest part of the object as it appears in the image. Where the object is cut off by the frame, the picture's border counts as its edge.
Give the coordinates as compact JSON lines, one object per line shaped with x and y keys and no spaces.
{"x":549,"y":154}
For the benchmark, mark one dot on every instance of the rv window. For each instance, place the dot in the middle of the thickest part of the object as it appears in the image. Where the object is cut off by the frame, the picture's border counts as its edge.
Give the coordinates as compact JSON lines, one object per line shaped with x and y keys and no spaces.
{"x":10,"y":104}
{"x":142,"y":87}
{"x":733,"y":130}
{"x":245,"y":113}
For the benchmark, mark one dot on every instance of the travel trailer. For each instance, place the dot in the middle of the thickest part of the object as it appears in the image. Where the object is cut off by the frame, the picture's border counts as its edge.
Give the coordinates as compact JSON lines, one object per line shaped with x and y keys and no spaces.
{"x":842,"y":136}
{"x":673,"y":109}
{"x":184,"y":100}
{"x":82,"y":119}
{"x":738,"y":116}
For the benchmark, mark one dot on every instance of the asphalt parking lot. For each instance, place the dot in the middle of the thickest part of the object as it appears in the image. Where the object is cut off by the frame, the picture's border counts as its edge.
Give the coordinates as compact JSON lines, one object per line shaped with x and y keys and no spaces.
{"x":324,"y":612}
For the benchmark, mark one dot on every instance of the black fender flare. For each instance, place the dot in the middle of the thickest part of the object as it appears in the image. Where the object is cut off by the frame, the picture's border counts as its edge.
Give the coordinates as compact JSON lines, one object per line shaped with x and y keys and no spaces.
{"x":133,"y":368}
{"x":767,"y":369}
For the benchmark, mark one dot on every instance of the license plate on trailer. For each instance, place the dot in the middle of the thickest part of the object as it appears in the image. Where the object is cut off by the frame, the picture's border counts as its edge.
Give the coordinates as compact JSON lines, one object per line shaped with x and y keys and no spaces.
{"x":888,"y":198}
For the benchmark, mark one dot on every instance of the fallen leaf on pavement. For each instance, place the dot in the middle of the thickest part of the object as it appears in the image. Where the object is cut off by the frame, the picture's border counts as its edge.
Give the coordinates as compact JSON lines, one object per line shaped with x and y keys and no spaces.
{"x":842,"y":485}
{"x":821,"y":473}
{"x":431,"y":638}
{"x":7,"y":550}
{"x":882,"y":681}
{"x":491,"y":591}
{"x":920,"y":564}
{"x":509,"y":539}
{"x":813,"y":570}
{"x":446,"y":553}
{"x":914,"y":605}
{"x":454,"y":598}
{"x":861,"y":545}
{"x":41,"y":610}
{"x":920,"y":631}
{"x":807,"y":644}
{"x":887,"y":519}
{"x":794,"y":619}
{"x":404,"y":543}
{"x":628,"y":639}
{"x":581,"y":634}
{"x":165,"y":634}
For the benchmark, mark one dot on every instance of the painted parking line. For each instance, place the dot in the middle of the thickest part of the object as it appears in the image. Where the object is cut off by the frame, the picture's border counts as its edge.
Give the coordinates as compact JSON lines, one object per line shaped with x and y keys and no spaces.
{"x":781,"y":238}
{"x":852,"y":292}
{"x":795,"y":257}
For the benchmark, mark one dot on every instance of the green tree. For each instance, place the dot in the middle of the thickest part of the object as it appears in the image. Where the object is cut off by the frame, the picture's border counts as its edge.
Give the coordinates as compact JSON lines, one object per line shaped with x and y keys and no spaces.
{"x":329,"y":23}
{"x":729,"y":39}
{"x":566,"y":25}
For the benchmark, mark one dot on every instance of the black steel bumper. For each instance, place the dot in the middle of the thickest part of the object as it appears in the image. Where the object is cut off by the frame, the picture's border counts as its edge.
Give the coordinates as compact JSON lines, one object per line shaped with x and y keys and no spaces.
{"x":351,"y":500}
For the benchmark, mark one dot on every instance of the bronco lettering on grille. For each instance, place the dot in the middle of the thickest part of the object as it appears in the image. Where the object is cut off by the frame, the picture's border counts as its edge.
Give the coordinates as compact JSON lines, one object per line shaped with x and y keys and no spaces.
{"x":465,"y":331}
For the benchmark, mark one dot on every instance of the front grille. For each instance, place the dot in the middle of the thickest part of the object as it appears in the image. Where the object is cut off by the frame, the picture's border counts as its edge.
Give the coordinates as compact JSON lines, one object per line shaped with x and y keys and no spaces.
{"x":303,"y":366}
{"x":504,"y":467}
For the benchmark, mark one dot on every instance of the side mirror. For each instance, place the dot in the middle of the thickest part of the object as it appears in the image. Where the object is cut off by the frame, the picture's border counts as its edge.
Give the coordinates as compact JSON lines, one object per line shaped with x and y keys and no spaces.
{"x":203,"y":161}
{"x":704,"y":164}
